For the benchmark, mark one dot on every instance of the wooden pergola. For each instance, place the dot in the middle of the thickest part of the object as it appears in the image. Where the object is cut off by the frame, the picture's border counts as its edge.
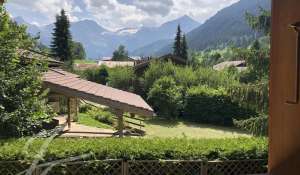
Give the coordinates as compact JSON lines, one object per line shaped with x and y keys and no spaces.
{"x":73,"y":87}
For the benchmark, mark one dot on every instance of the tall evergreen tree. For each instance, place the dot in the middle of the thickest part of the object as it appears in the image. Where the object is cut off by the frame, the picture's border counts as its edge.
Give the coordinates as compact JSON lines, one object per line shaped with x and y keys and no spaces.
{"x":184,"y":48}
{"x":177,"y":43}
{"x":61,"y":45}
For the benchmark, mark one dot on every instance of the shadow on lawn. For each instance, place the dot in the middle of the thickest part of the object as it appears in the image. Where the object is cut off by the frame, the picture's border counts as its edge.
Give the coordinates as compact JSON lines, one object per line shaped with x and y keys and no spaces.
{"x":216,"y":127}
{"x":162,"y":122}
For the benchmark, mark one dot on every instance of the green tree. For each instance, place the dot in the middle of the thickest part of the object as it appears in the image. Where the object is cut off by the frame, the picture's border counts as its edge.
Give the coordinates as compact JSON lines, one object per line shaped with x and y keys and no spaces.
{"x":177,"y":44}
{"x":261,"y":22}
{"x":166,"y":97}
{"x":22,"y":104}
{"x":184,"y":48}
{"x":121,"y":54}
{"x":78,"y":52}
{"x":61,"y":46}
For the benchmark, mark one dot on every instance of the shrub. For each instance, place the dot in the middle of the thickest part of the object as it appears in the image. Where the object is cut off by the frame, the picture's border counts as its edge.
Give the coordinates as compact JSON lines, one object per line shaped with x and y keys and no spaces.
{"x":139,"y":149}
{"x":157,"y":70}
{"x":214,"y":79}
{"x":185,"y":77}
{"x":256,"y":125}
{"x":166,"y":97}
{"x":207,"y":105}
{"x":84,"y":108}
{"x":101,"y":115}
{"x":122,"y":78}
{"x":99,"y":75}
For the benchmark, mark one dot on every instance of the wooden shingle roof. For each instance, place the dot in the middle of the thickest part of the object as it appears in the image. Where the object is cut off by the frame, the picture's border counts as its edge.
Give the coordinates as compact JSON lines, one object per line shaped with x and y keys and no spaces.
{"x":72,"y":85}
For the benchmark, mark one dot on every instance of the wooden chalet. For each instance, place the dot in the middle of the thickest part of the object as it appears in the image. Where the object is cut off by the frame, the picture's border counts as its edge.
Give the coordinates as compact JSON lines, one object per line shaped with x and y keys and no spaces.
{"x":141,"y":66}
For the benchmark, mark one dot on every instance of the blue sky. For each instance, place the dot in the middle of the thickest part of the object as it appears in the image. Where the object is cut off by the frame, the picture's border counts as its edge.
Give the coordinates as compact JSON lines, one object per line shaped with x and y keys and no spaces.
{"x":116,"y":14}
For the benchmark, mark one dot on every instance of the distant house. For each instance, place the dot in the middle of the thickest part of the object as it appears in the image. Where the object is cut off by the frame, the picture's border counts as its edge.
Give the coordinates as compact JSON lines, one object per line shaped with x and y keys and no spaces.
{"x":112,"y":64}
{"x":107,"y":61}
{"x":141,"y":67}
{"x":240,"y":65}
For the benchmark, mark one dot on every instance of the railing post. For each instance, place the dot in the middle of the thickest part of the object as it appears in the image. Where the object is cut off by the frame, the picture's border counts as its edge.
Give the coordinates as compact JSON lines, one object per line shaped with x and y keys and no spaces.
{"x":204,"y":168}
{"x":36,"y":171}
{"x":119,"y":114}
{"x":124,"y":167}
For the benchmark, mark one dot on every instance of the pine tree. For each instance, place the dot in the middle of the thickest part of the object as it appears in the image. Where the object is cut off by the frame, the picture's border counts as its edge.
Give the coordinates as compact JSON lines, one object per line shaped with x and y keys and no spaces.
{"x":177,"y":43}
{"x":61,"y":46}
{"x":184,"y":48}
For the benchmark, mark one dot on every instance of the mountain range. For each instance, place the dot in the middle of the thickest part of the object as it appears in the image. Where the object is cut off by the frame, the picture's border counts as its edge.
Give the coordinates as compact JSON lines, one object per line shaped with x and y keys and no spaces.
{"x":226,"y":27}
{"x":99,"y":42}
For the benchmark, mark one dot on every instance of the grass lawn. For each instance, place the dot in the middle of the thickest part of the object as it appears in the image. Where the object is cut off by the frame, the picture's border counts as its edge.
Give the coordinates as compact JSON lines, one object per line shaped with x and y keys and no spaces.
{"x":163,"y":128}
{"x":85,"y":119}
{"x":178,"y":129}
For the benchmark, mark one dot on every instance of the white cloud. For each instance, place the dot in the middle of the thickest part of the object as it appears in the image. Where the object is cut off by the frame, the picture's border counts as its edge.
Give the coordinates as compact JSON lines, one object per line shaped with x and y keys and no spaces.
{"x":47,"y":8}
{"x":115,"y":14}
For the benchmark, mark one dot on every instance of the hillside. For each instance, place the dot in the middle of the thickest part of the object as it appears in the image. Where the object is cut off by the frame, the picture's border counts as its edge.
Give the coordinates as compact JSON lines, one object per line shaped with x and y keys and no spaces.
{"x":228,"y":26}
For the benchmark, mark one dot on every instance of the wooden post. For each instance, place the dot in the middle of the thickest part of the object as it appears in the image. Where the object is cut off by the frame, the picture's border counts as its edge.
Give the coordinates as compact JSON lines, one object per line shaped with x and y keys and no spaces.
{"x":120,"y":116}
{"x":1,"y":2}
{"x":69,"y":113}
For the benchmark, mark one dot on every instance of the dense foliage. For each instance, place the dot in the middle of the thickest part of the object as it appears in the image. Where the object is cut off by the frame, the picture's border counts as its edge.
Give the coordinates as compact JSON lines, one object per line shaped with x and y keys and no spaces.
{"x":22,"y":104}
{"x":98,"y":75}
{"x":166,"y":97}
{"x":122,"y":78}
{"x":207,"y":105}
{"x":256,"y":125}
{"x":139,"y":149}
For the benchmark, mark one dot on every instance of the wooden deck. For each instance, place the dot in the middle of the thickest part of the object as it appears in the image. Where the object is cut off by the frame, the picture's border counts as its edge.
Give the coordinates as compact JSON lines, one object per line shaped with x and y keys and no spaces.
{"x":78,"y":130}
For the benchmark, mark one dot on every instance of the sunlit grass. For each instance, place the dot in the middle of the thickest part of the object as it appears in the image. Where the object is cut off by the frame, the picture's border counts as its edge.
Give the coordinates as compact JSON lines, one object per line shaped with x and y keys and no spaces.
{"x":177,"y":129}
{"x":87,"y":120}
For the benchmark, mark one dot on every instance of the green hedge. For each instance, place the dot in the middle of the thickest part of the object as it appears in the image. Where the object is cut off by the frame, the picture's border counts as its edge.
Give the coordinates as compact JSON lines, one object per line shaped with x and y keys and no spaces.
{"x":207,"y":105}
{"x":140,"y":149}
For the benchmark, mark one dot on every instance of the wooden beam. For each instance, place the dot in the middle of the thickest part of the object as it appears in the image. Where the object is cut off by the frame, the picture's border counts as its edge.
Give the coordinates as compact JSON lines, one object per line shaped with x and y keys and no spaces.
{"x":69,"y":113}
{"x":120,"y":114}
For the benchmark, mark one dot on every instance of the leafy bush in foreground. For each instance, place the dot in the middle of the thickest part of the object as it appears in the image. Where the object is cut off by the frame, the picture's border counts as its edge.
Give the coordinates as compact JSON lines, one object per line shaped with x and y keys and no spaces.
{"x":22,"y":100}
{"x":139,"y":149}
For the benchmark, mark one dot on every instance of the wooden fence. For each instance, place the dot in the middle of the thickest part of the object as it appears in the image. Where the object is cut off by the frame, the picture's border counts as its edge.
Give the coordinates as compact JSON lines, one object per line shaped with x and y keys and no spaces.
{"x":137,"y":167}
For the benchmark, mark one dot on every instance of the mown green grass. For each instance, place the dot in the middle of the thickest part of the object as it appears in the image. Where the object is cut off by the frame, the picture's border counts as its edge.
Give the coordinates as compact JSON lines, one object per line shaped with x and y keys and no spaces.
{"x":138,"y":148}
{"x":157,"y":127}
{"x":87,"y":120}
